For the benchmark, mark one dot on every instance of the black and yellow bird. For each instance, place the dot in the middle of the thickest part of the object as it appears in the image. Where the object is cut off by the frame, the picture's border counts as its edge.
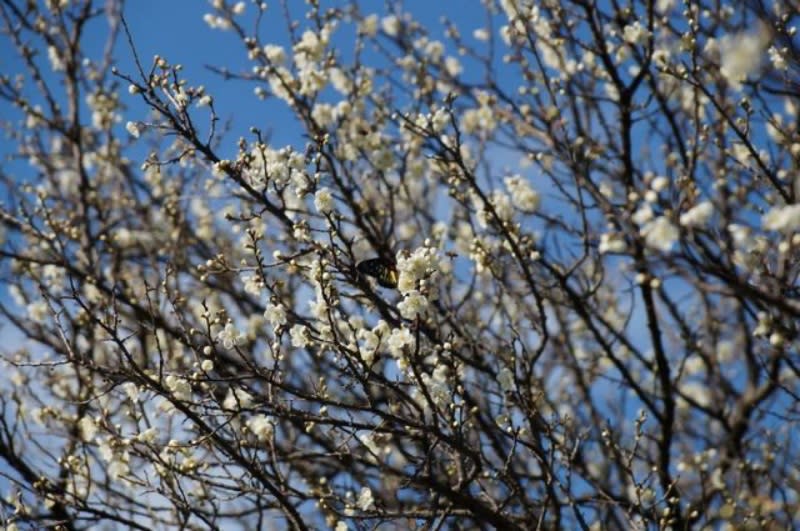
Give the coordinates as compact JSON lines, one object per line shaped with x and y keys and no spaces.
{"x":382,"y":270}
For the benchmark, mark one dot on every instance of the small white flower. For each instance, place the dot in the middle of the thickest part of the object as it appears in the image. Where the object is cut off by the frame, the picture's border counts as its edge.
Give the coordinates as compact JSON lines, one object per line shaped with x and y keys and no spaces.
{"x":660,"y":234}
{"x":698,"y":215}
{"x":252,"y":284}
{"x":659,"y":183}
{"x":180,"y":387}
{"x":56,"y":63}
{"x":522,"y":195}
{"x":481,"y":34}
{"x":148,"y":435}
{"x":635,"y":33}
{"x":369,"y":26}
{"x":239,"y":8}
{"x":391,"y":25}
{"x":365,"y":499}
{"x":230,"y":336}
{"x":207,"y":365}
{"x":453,"y":66}
{"x":133,"y":129}
{"x":299,"y":335}
{"x":611,"y":243}
{"x":398,"y":340}
{"x":275,"y":54}
{"x":132,"y":390}
{"x":422,"y":262}
{"x":506,"y":379}
{"x":118,"y":468}
{"x":38,"y":310}
{"x":261,"y":426}
{"x":778,"y":57}
{"x":370,"y":342}
{"x":275,"y":314}
{"x":323,"y":200}
{"x":740,"y":55}
{"x":643,"y":214}
{"x":237,"y":398}
{"x":784,"y":219}
{"x":412,"y":305}
{"x":87,"y":429}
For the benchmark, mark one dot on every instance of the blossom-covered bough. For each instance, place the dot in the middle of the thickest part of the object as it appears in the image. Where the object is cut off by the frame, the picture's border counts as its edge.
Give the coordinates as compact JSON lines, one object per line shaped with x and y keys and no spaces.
{"x":592,"y":213}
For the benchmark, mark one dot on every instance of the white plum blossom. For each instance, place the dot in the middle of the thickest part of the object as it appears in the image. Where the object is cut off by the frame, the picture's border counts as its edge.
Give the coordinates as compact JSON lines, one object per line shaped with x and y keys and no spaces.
{"x":133,"y":129}
{"x":323,"y":200}
{"x":237,"y":399}
{"x":410,"y":269}
{"x":216,"y":22}
{"x":523,"y":196}
{"x":391,"y":25}
{"x":38,"y":310}
{"x":261,"y":426}
{"x":412,"y":305}
{"x":366,"y":501}
{"x":87,"y":429}
{"x":299,"y":335}
{"x":480,"y":34}
{"x":659,"y":183}
{"x":434,"y":51}
{"x":310,"y":47}
{"x":696,"y":391}
{"x":643,"y":214}
{"x":119,"y":467}
{"x":660,"y":234}
{"x":398,"y":340}
{"x":275,"y":314}
{"x":778,"y":57}
{"x":479,"y":120}
{"x":230,"y":336}
{"x":635,"y":33}
{"x":740,"y":56}
{"x":319,"y":306}
{"x":369,"y":26}
{"x":784,"y":219}
{"x":742,"y":154}
{"x":252,"y":284}
{"x":323,"y":114}
{"x":180,"y":387}
{"x":698,"y":215}
{"x":340,"y":81}
{"x":275,"y":54}
{"x":506,"y":379}
{"x":453,"y":66}
{"x":148,"y":436}
{"x":438,"y":387}
{"x":370,"y":341}
{"x":56,"y":62}
{"x":611,"y":243}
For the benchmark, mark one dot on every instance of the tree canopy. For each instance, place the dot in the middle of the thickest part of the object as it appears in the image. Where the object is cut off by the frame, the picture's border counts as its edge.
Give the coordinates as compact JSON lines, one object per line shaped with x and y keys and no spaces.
{"x":539,"y":274}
